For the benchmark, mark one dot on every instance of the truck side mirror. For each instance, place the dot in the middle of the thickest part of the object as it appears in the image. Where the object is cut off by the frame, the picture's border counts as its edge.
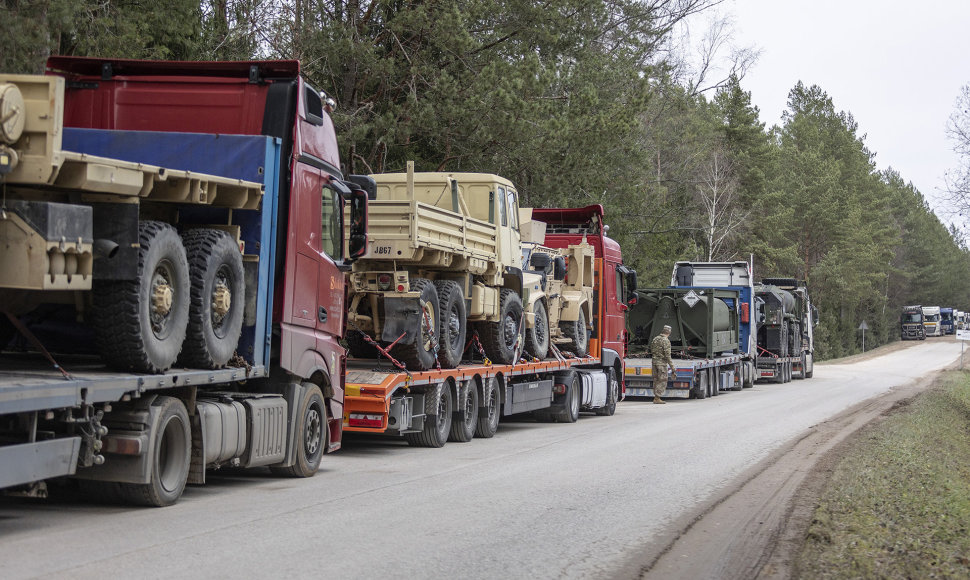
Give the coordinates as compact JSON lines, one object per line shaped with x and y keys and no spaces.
{"x":631,"y":283}
{"x":559,"y":268}
{"x":357,"y":246}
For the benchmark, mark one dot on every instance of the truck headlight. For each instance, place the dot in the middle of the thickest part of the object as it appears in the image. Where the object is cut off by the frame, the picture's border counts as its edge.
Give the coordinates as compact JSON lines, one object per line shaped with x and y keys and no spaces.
{"x":384,"y":281}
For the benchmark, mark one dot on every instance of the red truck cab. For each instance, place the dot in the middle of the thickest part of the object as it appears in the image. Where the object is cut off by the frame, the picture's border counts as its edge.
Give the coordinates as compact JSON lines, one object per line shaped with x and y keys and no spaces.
{"x":616,"y":282}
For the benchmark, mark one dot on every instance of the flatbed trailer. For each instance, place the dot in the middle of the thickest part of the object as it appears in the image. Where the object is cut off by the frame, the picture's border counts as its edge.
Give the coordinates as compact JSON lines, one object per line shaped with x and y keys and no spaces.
{"x":692,"y":378}
{"x":431,"y":407}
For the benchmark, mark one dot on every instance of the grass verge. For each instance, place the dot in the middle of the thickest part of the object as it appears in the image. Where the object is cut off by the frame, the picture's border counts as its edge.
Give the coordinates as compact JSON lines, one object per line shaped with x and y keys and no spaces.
{"x":898,"y":503}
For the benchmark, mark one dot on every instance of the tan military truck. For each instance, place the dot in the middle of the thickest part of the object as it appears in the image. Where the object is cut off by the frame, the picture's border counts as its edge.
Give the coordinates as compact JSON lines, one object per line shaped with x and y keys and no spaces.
{"x":558,"y":292}
{"x":98,"y":233}
{"x":443,"y":252}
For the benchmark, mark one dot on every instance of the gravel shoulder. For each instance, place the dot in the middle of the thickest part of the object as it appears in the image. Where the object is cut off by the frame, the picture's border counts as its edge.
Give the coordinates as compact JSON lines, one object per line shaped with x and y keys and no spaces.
{"x":756,"y":527}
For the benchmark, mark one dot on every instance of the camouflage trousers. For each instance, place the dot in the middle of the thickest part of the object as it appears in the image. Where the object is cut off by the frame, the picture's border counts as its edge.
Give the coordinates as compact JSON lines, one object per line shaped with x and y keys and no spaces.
{"x":659,"y":381}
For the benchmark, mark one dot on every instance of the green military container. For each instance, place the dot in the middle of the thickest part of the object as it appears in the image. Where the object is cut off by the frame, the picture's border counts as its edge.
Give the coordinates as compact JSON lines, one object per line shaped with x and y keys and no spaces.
{"x":702,"y":322}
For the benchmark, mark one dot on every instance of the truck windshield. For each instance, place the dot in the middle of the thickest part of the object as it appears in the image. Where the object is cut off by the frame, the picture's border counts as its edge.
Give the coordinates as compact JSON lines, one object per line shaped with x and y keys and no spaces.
{"x":932,"y":318}
{"x":912,"y":318}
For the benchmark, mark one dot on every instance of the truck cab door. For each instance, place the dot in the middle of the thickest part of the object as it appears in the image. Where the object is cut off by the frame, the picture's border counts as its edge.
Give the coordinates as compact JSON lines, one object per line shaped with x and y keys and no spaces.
{"x":614,"y":309}
{"x":313,"y":314}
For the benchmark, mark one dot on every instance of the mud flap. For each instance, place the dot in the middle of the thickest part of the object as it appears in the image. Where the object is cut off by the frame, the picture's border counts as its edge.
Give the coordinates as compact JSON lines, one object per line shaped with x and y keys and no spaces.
{"x":401,"y":317}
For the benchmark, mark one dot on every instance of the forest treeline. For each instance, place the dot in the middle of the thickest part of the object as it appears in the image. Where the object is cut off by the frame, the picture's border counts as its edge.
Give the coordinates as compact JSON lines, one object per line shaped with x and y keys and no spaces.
{"x":578,"y":102}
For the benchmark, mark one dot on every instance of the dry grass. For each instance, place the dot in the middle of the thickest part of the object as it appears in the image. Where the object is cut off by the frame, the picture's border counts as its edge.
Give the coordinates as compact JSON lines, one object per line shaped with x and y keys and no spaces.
{"x":898,"y":503}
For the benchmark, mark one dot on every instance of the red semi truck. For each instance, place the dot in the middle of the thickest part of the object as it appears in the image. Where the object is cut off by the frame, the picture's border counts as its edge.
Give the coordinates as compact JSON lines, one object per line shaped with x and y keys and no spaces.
{"x":172,"y":285}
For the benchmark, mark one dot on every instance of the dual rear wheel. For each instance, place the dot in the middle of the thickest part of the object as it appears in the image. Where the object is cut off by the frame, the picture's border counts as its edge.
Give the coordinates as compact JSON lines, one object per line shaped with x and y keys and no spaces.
{"x":187,"y":297}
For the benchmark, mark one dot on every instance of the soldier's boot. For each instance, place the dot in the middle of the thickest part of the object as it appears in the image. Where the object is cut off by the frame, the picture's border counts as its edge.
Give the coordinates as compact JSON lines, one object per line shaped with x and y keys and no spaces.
{"x":658,"y":401}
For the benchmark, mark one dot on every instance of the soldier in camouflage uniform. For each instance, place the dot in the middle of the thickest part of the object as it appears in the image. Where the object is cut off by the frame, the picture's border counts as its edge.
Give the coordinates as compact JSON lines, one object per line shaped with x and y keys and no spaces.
{"x":660,"y":352}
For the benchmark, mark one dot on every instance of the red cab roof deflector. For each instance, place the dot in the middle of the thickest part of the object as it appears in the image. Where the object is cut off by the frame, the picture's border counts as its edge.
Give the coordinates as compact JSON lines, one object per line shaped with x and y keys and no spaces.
{"x":572,"y":215}
{"x":92,"y":67}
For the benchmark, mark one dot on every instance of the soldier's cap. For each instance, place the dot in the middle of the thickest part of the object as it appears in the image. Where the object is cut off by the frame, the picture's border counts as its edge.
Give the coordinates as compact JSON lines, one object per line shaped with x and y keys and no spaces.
{"x":667,"y":328}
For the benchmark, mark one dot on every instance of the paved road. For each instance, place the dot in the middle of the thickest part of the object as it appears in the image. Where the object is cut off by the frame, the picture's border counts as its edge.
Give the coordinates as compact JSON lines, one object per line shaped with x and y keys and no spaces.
{"x":538,"y":500}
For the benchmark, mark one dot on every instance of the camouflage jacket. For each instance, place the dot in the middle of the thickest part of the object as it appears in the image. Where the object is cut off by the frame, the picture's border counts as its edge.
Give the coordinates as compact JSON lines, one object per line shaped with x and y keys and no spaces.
{"x":660,"y":351}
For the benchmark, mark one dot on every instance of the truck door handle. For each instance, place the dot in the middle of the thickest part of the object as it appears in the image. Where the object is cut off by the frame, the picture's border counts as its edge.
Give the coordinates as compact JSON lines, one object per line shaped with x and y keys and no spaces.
{"x":322,"y":314}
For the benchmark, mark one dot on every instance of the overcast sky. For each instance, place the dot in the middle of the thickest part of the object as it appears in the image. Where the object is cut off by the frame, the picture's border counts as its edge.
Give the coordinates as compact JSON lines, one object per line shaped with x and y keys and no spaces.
{"x":896,"y":66}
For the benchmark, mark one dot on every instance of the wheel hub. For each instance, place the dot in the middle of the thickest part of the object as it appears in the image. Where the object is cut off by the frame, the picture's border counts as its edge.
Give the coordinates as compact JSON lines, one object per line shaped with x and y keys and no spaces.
{"x":162,"y":298}
{"x":510,"y":330}
{"x":427,"y":324}
{"x":313,"y":434}
{"x":221,"y":301}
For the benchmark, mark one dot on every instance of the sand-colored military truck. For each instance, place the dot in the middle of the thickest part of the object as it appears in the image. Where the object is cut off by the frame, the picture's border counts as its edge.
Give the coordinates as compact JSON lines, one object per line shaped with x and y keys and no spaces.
{"x":558,"y":292}
{"x":443,"y":252}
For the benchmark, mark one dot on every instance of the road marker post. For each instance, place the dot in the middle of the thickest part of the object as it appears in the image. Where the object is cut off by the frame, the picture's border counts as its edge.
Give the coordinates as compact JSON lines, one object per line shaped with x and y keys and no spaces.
{"x":963,"y":336}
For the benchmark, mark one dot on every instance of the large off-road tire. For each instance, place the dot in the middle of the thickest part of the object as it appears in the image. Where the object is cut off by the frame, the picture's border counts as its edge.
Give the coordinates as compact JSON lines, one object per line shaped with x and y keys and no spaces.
{"x":436,"y":427}
{"x":453,"y":324}
{"x":612,"y":393}
{"x":218,"y":296}
{"x":312,"y":434}
{"x":171,"y":456}
{"x":420,"y":354}
{"x":140,"y":324}
{"x":499,"y":339}
{"x":465,"y":420}
{"x":575,"y":331}
{"x":491,"y":411}
{"x":537,"y":337}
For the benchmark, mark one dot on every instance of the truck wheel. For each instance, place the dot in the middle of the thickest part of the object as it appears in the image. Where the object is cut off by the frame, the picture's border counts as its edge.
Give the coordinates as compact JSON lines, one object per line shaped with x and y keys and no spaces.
{"x":701,"y":388}
{"x":810,"y":368}
{"x":802,"y":373}
{"x":465,"y":420}
{"x":420,"y":355}
{"x":712,"y":380}
{"x":217,"y":298}
{"x":140,"y":324}
{"x":492,"y":405}
{"x":171,"y":455}
{"x":453,"y":325}
{"x":537,"y":337}
{"x":499,"y":338}
{"x":575,"y":331}
{"x":436,"y":427}
{"x":570,"y":408}
{"x":311,"y":434}
{"x":748,"y":376}
{"x":612,"y":393}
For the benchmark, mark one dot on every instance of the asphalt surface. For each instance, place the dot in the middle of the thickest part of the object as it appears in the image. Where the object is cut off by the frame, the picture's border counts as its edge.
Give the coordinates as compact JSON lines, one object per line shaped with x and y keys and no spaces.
{"x":599,"y":498}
